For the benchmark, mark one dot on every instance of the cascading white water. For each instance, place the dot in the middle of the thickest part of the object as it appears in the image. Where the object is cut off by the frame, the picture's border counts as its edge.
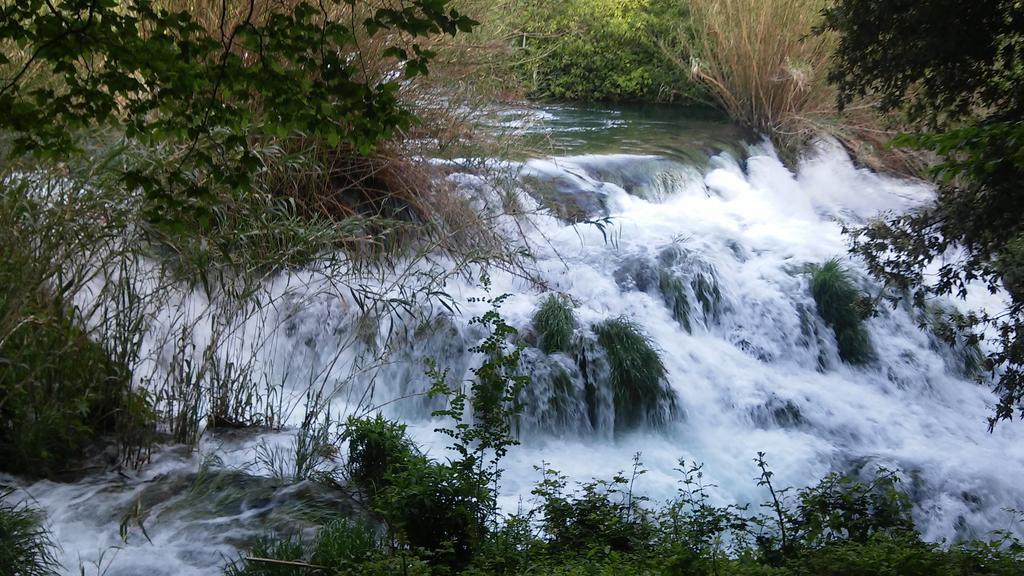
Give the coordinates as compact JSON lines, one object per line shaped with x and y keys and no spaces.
{"x":753,"y":367}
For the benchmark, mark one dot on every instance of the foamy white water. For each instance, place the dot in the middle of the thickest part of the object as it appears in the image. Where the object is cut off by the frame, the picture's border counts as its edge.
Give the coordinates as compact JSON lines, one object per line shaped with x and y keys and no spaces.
{"x":757,"y":370}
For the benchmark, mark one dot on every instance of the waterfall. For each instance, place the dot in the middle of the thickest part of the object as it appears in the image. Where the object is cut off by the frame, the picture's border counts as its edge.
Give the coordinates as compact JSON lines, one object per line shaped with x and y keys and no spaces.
{"x":709,"y":259}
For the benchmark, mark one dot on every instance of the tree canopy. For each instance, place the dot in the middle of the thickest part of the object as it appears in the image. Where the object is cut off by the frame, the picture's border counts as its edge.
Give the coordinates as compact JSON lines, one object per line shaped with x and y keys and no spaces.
{"x":160,"y":73}
{"x":955,"y":70}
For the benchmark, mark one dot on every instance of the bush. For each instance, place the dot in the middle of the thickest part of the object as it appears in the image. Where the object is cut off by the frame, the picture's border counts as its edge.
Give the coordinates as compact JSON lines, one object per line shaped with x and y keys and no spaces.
{"x":377,"y":448}
{"x":25,"y":545}
{"x":839,"y":303}
{"x":432,"y":507}
{"x":601,"y":50}
{"x":553,"y":322}
{"x":637,"y":375}
{"x":603,"y":515}
{"x":840,"y":527}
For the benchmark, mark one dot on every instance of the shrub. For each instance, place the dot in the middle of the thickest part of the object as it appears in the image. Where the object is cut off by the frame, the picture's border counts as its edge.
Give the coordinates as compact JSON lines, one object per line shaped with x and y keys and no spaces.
{"x":281,"y":68}
{"x":434,"y":508}
{"x":839,"y":303}
{"x":553,"y":322}
{"x":377,"y":448}
{"x":601,"y":50}
{"x":839,"y":508}
{"x":840,"y":527}
{"x":603,"y":515}
{"x":25,"y":545}
{"x":640,"y":392}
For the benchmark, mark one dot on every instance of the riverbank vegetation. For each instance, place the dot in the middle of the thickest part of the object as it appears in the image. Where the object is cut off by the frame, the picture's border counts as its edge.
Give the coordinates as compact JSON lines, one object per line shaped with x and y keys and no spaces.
{"x":601,"y":50}
{"x":843,"y":526}
{"x":156,"y":153}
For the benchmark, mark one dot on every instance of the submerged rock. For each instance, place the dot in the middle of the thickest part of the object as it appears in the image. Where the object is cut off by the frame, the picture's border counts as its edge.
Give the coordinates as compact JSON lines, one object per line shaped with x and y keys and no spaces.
{"x":570,"y":199}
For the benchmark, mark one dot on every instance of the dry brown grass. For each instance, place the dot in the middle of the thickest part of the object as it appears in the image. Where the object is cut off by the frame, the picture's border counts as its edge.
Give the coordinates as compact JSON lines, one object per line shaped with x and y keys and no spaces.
{"x":767,"y":69}
{"x":762,"y":64}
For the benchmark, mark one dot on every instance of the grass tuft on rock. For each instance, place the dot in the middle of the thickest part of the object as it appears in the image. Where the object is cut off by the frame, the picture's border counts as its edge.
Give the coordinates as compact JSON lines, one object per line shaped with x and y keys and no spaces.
{"x":25,"y":545}
{"x":554,"y":321}
{"x":639,"y":389}
{"x":673,"y":291}
{"x":838,"y":301}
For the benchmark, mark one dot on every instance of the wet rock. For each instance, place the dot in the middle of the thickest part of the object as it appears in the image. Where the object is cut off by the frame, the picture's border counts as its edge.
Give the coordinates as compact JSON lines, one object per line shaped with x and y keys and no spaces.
{"x":570,"y":199}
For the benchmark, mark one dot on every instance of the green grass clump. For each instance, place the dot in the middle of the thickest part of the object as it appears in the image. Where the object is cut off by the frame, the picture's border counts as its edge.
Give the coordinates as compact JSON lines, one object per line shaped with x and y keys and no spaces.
{"x":673,"y":291}
{"x":637,"y":374}
{"x":838,"y":303}
{"x":25,"y":545}
{"x":553,"y":321}
{"x":705,"y":288}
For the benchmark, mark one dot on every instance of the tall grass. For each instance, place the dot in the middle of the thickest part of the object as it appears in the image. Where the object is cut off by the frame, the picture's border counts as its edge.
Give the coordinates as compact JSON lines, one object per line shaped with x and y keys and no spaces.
{"x":66,"y":379}
{"x":762,"y":64}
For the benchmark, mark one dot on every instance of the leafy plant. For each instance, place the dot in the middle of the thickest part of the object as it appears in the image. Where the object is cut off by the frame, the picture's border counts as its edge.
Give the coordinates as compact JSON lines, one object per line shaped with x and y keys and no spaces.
{"x":602,"y":515}
{"x":207,"y":93}
{"x":839,"y":526}
{"x":593,"y":50}
{"x":441,"y":511}
{"x":377,"y":448}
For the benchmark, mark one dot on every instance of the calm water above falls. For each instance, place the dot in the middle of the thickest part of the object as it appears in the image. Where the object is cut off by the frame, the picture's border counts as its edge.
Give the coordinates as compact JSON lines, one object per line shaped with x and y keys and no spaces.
{"x":757,"y":370}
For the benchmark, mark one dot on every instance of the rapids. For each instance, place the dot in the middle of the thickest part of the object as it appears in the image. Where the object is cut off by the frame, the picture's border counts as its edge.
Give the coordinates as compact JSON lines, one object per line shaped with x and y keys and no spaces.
{"x":754,"y":368}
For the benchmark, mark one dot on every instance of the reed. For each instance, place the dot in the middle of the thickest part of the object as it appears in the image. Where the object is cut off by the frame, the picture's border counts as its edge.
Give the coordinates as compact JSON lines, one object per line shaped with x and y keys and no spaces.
{"x":763,"y":65}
